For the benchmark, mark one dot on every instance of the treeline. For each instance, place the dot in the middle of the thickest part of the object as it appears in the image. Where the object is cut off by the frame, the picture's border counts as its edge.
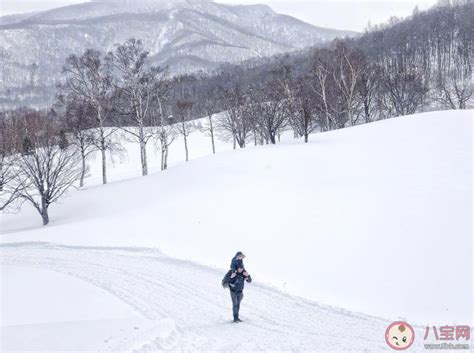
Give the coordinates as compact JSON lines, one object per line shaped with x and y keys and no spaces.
{"x":402,"y":68}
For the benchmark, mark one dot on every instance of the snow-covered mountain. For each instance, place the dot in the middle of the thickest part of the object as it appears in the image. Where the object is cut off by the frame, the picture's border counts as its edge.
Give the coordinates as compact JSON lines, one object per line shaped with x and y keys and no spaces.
{"x":187,"y":35}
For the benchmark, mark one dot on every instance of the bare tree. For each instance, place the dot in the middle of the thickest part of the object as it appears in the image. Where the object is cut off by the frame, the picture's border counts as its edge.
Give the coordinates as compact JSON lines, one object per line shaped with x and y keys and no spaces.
{"x":6,"y":149}
{"x":208,"y":129}
{"x":273,"y":111}
{"x":455,"y":88}
{"x":297,"y":106}
{"x":49,"y":167}
{"x":137,"y":82}
{"x":166,"y":131}
{"x":79,"y":123}
{"x":321,"y":86}
{"x":235,"y":121}
{"x":183,"y":109}
{"x":367,"y":90}
{"x":166,"y":135}
{"x":252,"y":111}
{"x":302,"y":115}
{"x":89,"y":78}
{"x":11,"y":184}
{"x":404,"y":91}
{"x":346,"y":75}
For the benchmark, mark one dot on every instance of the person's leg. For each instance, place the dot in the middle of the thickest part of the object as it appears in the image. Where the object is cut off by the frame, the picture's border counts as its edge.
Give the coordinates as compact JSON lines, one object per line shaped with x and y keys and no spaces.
{"x":240,"y":296}
{"x":235,"y":305}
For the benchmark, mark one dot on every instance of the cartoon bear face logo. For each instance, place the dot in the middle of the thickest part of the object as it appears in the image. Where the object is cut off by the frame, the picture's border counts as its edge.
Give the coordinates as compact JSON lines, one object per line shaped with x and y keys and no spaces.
{"x":399,"y":335}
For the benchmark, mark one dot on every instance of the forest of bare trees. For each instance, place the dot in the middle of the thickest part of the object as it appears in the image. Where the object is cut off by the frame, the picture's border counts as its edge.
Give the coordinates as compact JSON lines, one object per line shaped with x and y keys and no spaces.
{"x":404,"y":67}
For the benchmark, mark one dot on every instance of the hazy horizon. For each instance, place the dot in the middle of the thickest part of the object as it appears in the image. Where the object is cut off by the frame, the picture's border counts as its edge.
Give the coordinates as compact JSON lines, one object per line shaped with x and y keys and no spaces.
{"x":340,"y":14}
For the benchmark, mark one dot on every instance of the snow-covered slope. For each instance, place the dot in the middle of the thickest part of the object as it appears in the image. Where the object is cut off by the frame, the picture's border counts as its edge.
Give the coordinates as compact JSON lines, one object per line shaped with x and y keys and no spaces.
{"x":183,"y":308}
{"x":371,"y":219}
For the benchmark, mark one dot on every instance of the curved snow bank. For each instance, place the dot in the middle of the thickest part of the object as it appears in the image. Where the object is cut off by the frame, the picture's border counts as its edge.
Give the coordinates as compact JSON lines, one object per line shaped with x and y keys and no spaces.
{"x":37,"y":296}
{"x":45,"y":310}
{"x":186,"y":308}
{"x":375,"y":218}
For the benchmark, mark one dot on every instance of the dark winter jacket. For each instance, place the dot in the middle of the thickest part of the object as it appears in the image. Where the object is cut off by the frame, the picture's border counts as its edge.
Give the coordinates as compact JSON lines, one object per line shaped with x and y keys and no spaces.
{"x":236,"y":263}
{"x":237,"y":283}
{"x":226,"y":279}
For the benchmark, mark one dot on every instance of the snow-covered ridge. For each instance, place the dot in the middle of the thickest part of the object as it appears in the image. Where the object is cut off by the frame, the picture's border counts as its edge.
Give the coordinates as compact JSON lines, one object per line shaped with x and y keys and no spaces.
{"x":215,"y":34}
{"x":100,"y":8}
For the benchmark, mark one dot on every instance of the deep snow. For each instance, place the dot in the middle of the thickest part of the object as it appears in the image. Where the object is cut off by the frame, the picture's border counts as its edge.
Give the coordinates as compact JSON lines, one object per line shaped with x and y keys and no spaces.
{"x":57,"y":298}
{"x":374,"y":219}
{"x":183,"y":309}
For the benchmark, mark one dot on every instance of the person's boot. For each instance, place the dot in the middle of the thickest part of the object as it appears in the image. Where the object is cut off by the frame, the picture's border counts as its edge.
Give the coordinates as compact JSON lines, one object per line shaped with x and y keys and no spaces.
{"x":238,"y":320}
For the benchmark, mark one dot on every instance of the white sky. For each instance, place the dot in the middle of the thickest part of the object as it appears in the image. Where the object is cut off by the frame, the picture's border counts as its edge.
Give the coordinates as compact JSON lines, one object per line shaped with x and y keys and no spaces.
{"x":340,"y":14}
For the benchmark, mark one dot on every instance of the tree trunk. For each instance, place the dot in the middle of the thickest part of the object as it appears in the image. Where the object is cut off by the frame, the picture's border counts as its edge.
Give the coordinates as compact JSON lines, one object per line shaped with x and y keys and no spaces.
{"x":186,"y":147}
{"x":104,"y":157}
{"x":166,"y":158}
{"x":367,"y":111}
{"x":44,"y":211}
{"x":83,"y":168}
{"x":104,"y":165}
{"x":1,"y":173}
{"x":162,"y":158}
{"x":102,"y":146}
{"x":45,"y":217}
{"x":143,"y":158}
{"x":351,"y":118}
{"x":307,"y":122}
{"x":272,"y":139}
{"x":213,"y":142}
{"x":211,"y":130}
{"x":235,"y":142}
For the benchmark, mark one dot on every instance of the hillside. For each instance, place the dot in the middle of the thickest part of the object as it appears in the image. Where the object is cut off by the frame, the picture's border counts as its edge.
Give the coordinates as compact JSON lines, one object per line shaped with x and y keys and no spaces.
{"x":186,"y":35}
{"x":367,"y":219}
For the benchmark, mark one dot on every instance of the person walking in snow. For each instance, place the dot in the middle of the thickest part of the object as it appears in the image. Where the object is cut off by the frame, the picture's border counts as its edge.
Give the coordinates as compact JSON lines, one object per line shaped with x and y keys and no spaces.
{"x":236,"y":286}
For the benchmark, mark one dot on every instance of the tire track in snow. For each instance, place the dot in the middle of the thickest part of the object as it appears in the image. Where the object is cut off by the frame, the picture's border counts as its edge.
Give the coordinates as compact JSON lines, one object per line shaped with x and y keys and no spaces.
{"x":160,"y":287}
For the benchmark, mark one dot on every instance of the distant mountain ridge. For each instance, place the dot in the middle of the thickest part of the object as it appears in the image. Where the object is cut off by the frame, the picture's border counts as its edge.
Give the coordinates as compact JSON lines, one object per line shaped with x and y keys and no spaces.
{"x":186,"y":35}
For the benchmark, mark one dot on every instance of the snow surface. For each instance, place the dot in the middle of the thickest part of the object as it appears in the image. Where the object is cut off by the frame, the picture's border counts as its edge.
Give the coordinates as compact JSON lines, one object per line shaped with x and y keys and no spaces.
{"x":31,"y":296}
{"x":45,"y":310}
{"x":185,"y":309}
{"x":373,"y":219}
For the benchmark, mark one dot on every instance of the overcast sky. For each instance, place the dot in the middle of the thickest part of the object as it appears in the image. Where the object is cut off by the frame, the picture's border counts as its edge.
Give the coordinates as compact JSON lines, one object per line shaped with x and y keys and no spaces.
{"x":340,"y":14}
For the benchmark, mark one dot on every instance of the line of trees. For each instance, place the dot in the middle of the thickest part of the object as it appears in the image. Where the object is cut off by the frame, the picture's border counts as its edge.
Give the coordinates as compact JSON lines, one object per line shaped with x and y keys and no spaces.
{"x":402,"y":68}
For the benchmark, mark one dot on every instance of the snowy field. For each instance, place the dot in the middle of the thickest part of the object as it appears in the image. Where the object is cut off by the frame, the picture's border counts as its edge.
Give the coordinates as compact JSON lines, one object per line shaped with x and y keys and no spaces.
{"x":374,"y":219}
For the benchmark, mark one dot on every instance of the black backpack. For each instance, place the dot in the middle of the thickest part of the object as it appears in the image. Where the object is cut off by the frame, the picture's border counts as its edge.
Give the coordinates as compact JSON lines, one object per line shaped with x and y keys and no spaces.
{"x":226,"y":279}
